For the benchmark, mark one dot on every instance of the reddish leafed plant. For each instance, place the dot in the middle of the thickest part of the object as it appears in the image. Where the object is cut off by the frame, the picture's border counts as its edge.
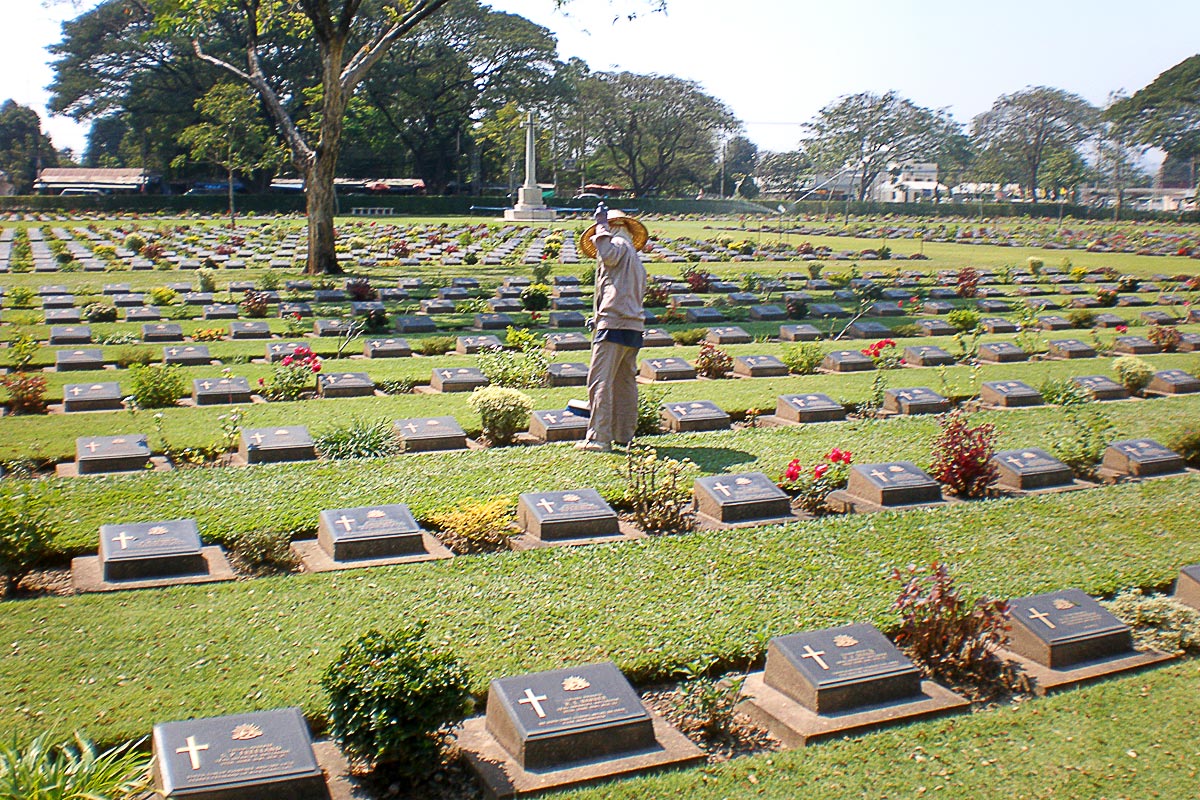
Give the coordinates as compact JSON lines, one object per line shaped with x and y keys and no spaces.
{"x":968,"y":282}
{"x":950,"y":638}
{"x":962,"y":455}
{"x":26,"y":393}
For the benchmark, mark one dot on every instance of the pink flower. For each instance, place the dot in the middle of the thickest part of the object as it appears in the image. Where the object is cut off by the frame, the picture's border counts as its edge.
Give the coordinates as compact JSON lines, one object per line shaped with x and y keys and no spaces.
{"x":835,"y":455}
{"x":793,"y":470}
{"x":820,"y":470}
{"x":287,"y":361}
{"x":316,"y":367}
{"x":261,"y":382}
{"x":847,"y":456}
{"x":1122,"y":328}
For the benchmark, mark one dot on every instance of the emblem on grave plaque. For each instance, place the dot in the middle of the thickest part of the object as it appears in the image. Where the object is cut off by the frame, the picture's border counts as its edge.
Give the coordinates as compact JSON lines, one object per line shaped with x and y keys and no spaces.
{"x":376,"y":514}
{"x":281,"y":432}
{"x":571,"y":498}
{"x":575,"y":684}
{"x":743,"y":481}
{"x":157,"y":530}
{"x":244,"y":733}
{"x":1062,"y":604}
{"x":845,"y":641}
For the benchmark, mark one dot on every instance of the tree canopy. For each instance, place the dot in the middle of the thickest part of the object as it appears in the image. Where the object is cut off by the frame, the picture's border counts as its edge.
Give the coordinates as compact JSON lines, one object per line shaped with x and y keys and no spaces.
{"x":24,"y":149}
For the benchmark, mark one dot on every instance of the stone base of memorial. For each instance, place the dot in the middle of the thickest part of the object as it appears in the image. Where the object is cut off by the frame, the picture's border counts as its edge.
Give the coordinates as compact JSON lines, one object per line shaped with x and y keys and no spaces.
{"x":1064,"y":639}
{"x":239,"y":757}
{"x":568,"y":727}
{"x":275,"y":445}
{"x":837,"y":682}
{"x":372,"y":536}
{"x":743,"y":500}
{"x":798,"y":409}
{"x":1187,"y":587}
{"x":1139,"y":458}
{"x":148,"y":555}
{"x":879,"y":487}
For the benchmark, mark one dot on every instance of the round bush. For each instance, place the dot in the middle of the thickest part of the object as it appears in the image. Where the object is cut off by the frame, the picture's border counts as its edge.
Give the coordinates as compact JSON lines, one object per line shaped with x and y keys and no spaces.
{"x":392,"y":698}
{"x":1133,"y":373}
{"x":157,"y":385}
{"x":503,"y":412}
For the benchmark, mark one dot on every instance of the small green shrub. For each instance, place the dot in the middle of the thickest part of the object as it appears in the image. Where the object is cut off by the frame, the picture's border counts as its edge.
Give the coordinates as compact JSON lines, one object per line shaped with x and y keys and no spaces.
{"x":398,"y":386}
{"x":435,"y":345}
{"x":541,"y":271}
{"x":649,"y":421}
{"x":707,"y":706}
{"x":20,"y":297}
{"x":268,"y":282}
{"x":517,"y":369}
{"x":1084,"y":436}
{"x":964,"y":319}
{"x":358,"y":439}
{"x":1063,"y":392}
{"x":658,"y":491}
{"x":74,"y":770}
{"x":208,"y":335}
{"x":26,"y":392}
{"x":394,"y":697}
{"x":1081,"y":317}
{"x":1187,"y":443}
{"x":713,"y":362}
{"x":206,"y":279}
{"x":135,"y":242}
{"x":132,"y":354}
{"x":689,"y":337}
{"x":535,"y":297}
{"x":157,"y":385}
{"x":906,"y":330}
{"x":803,"y":358}
{"x":263,"y":552}
{"x":22,"y":350}
{"x":474,"y":527}
{"x":1158,"y":621}
{"x":162,"y":296}
{"x":27,"y":530}
{"x":100,"y":312}
{"x":1133,"y":373}
{"x":504,"y":413}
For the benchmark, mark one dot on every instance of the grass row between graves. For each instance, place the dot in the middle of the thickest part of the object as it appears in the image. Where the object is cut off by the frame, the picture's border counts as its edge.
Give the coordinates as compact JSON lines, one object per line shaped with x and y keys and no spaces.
{"x":114,"y":664}
{"x":53,"y":437}
{"x":1122,"y":738}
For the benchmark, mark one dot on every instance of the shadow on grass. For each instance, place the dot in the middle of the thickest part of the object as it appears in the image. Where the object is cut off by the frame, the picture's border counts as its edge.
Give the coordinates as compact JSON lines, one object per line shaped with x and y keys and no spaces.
{"x":709,"y":459}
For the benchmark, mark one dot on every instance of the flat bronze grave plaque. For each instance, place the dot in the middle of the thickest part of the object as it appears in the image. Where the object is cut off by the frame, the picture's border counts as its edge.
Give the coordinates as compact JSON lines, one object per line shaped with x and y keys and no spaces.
{"x":740,"y":498}
{"x":928,"y":356}
{"x":146,"y":550}
{"x":576,"y":514}
{"x":345,"y":384}
{"x":1065,"y":628}
{"x":98,"y":454}
{"x":92,"y":397}
{"x":847,"y":361}
{"x":263,"y":754}
{"x":1029,"y":469}
{"x":549,"y":720}
{"x":895,"y":483}
{"x":557,"y":425}
{"x":220,"y":391}
{"x":386,"y":348}
{"x":1141,"y":458}
{"x":666,"y":369}
{"x":458,"y":379}
{"x":1173,"y":381}
{"x":346,"y":534}
{"x":273,"y":445}
{"x":1101,"y":387}
{"x":422,"y":434}
{"x":759,"y":367}
{"x":728,"y":335}
{"x":187,"y":355}
{"x":914,"y":400}
{"x":805,"y":408}
{"x":694,"y":415}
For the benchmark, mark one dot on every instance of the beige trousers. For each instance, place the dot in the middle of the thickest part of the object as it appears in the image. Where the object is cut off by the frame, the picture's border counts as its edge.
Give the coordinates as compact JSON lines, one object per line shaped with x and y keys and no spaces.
{"x":612,"y":393}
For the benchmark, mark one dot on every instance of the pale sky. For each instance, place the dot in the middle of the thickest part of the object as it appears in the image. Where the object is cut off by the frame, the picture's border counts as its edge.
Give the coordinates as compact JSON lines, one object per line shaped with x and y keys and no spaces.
{"x":777,"y":62}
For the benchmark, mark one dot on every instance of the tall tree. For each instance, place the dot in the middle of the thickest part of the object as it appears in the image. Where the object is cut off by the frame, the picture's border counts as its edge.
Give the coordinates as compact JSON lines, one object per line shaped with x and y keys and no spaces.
{"x":783,"y":173}
{"x":738,"y":158}
{"x":466,"y":61}
{"x":232,"y":136}
{"x":864,"y":133}
{"x":350,"y":38}
{"x":1117,"y":156}
{"x":1021,"y":128}
{"x":24,"y":149}
{"x":659,"y":132}
{"x":1165,"y":113}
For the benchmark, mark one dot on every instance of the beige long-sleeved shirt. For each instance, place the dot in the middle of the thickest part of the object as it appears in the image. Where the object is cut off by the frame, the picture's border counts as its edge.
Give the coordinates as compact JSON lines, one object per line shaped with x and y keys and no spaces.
{"x":620,"y":283}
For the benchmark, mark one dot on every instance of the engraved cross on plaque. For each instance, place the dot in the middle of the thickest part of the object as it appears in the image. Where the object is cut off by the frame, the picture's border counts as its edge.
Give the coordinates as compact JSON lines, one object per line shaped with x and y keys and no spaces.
{"x":550,"y":418}
{"x":549,"y":506}
{"x":258,"y":438}
{"x":1041,"y":617}
{"x":193,"y":750}
{"x":124,"y":539}
{"x":815,"y":655}
{"x":881,"y":476}
{"x":206,"y":385}
{"x":722,"y":488}
{"x":345,"y":522}
{"x":76,"y":391}
{"x":411,"y":427}
{"x":92,"y":446}
{"x":534,"y":701}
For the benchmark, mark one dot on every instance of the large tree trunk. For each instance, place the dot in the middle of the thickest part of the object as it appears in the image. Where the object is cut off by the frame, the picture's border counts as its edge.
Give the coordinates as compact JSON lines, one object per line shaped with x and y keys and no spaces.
{"x":322,"y":205}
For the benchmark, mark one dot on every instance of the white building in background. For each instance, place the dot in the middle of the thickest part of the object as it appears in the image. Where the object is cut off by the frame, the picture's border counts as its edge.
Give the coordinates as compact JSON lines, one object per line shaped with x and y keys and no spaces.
{"x":909,"y":183}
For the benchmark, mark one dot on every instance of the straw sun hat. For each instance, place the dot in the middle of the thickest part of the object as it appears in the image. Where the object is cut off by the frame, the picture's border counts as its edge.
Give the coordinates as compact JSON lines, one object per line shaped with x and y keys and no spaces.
{"x":616,"y":219}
